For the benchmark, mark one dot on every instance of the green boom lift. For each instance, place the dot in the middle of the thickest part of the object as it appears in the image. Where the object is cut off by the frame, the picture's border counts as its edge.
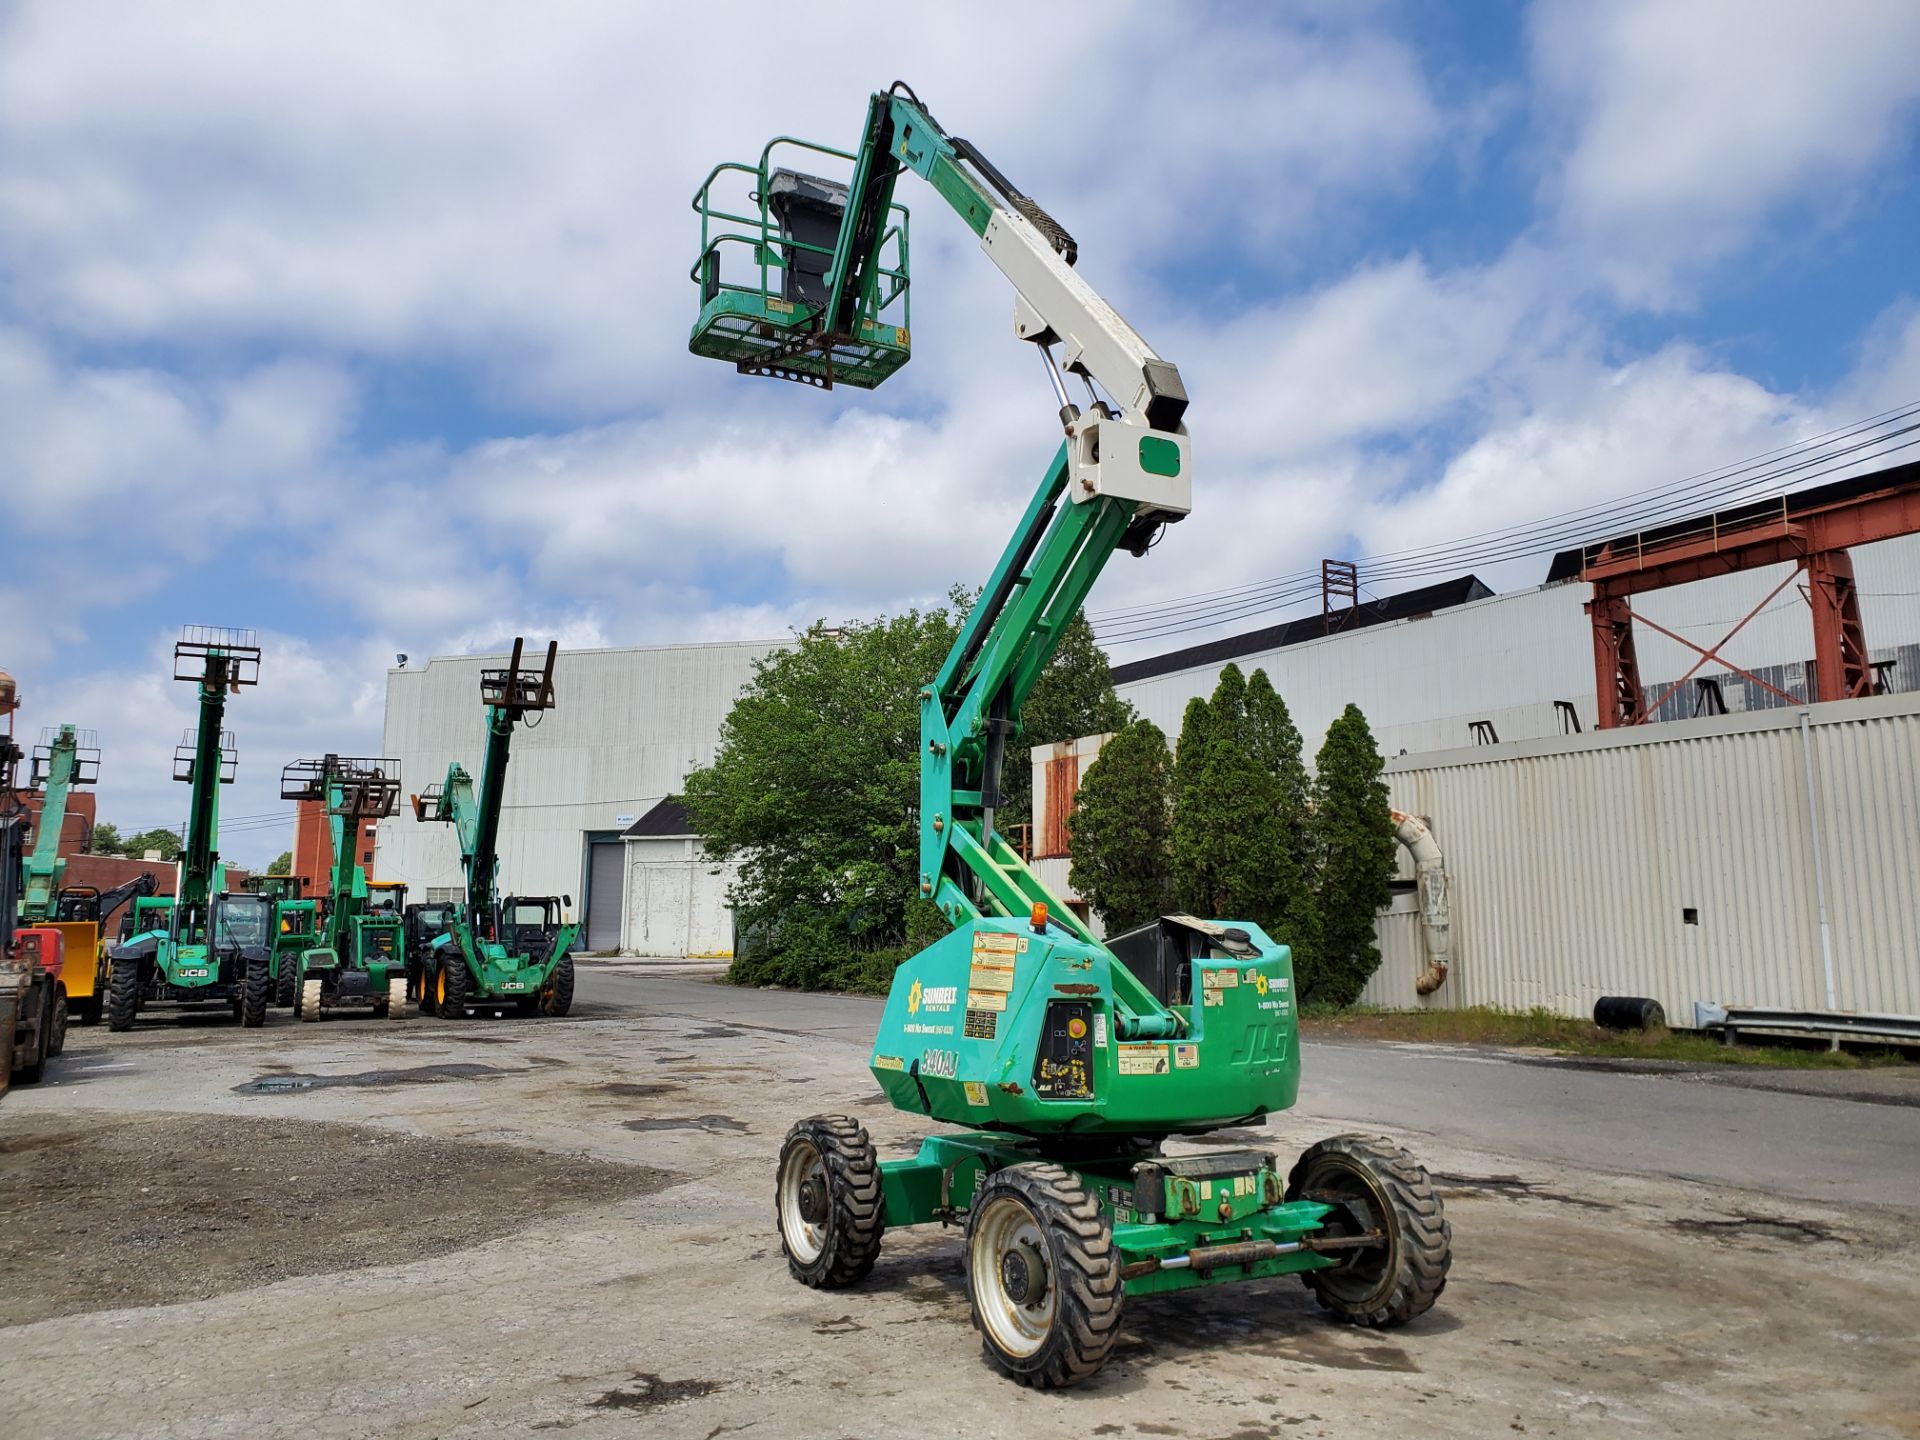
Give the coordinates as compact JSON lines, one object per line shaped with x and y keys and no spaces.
{"x":358,"y":958}
{"x":497,"y":950}
{"x":1071,"y":1062}
{"x":202,"y":944}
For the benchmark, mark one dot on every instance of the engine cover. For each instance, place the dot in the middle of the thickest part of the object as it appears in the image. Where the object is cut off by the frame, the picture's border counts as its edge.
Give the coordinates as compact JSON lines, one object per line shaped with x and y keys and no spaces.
{"x":997,"y":1027}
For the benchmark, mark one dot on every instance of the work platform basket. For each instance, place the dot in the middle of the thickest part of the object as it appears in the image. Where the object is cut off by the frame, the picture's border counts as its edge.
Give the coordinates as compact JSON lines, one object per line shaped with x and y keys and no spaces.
{"x":764,"y":271}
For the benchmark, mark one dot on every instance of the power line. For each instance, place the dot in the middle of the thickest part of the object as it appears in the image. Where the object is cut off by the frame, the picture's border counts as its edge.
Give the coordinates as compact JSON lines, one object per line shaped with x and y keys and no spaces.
{"x":1756,"y":477}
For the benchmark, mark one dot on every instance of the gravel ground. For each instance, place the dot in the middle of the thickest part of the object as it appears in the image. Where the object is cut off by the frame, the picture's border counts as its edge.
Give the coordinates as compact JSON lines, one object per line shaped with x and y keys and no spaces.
{"x":103,"y":1212}
{"x":567,"y":1226}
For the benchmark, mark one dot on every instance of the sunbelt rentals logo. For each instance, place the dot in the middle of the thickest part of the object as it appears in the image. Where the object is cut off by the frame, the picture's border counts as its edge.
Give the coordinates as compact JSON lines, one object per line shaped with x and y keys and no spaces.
{"x":931,"y":997}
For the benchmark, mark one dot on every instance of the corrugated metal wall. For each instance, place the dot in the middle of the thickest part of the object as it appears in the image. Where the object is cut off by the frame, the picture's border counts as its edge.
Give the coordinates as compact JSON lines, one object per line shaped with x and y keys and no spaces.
{"x":1676,"y":861}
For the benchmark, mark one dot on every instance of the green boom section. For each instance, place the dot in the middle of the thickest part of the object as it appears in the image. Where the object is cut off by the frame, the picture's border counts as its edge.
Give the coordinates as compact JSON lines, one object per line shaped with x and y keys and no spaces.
{"x":482,"y":935}
{"x":58,"y":766}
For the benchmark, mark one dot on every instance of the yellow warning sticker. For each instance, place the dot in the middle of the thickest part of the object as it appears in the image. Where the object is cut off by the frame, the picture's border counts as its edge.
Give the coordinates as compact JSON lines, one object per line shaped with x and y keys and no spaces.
{"x":986,"y":1000}
{"x":986,"y":978}
{"x":1220,"y":979}
{"x":888,"y":1062}
{"x":1186,"y":1057}
{"x":993,"y":942}
{"x":976,"y":1092}
{"x":1144,"y":1060}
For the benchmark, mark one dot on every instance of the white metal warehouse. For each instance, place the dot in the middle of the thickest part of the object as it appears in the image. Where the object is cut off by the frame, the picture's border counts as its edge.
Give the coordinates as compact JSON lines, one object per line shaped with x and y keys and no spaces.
{"x":627,"y":727}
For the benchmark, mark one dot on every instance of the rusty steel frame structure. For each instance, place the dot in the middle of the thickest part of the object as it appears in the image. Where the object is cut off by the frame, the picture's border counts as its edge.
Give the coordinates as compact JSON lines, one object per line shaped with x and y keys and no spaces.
{"x":1812,"y":533}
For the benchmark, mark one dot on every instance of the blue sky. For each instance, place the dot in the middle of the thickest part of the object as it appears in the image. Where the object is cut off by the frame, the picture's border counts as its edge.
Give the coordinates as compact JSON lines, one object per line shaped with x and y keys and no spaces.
{"x":364,"y":325}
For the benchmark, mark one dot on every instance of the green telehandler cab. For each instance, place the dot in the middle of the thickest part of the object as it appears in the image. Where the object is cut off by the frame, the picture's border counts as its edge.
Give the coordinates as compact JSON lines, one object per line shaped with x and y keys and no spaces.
{"x":496,"y":950}
{"x":202,"y":944}
{"x":358,"y":959}
{"x":295,"y":927}
{"x":1070,"y":1062}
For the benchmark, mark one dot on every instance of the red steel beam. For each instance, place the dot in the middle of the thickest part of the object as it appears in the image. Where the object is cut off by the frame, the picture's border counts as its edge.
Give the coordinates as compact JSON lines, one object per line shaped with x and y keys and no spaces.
{"x":1629,"y":567}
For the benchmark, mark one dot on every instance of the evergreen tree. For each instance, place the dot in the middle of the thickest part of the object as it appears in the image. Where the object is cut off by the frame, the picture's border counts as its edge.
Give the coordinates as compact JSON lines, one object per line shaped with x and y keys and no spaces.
{"x":1228,"y":707}
{"x":1196,"y":727}
{"x":1227,"y":840}
{"x":1353,"y":839}
{"x":1122,"y":829}
{"x":1275,"y":742}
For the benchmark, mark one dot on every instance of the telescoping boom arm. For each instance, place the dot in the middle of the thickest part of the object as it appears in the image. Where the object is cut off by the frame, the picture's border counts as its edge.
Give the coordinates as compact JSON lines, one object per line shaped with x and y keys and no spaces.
{"x":474,"y":810}
{"x":65,"y":758}
{"x":1121,"y":474}
{"x":218,"y":661}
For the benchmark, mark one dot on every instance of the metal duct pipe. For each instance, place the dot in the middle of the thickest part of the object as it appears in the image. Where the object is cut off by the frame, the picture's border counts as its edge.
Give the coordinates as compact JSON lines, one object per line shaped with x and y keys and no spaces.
{"x":1436,"y":918}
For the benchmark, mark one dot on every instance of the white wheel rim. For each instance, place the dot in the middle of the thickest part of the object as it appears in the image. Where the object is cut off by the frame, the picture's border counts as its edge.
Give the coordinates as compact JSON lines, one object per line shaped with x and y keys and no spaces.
{"x":1016,"y":1327}
{"x":805,"y":1239}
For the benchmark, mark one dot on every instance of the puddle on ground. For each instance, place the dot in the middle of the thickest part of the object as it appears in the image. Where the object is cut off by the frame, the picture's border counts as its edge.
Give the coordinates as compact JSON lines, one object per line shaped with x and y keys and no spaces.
{"x":372,"y":1079}
{"x":713,"y":1124}
{"x":1513,"y":1187}
{"x":634,"y":1091}
{"x":650,"y":1391}
{"x":1761,"y":1227}
{"x":715,"y":1032}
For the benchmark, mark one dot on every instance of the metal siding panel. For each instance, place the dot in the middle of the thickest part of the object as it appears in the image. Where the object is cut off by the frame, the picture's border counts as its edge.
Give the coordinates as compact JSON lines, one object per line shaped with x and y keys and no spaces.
{"x":1570,"y":861}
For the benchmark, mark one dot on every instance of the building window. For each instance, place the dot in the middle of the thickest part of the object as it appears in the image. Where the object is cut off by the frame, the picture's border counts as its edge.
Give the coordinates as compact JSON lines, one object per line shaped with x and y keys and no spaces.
{"x":366,"y":857}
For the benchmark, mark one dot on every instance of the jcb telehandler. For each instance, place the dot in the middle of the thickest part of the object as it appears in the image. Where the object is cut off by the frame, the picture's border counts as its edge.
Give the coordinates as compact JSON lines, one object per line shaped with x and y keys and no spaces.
{"x":1069,"y":1062}
{"x":203,"y":944}
{"x":497,"y":950}
{"x":358,"y":959}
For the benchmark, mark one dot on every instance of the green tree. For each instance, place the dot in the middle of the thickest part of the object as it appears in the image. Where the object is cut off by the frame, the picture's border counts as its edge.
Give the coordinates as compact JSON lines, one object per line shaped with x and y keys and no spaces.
{"x":1227,"y":710}
{"x":282,"y":864}
{"x":105,"y":839}
{"x":1196,"y":728}
{"x":1073,"y":697}
{"x":1122,"y":828}
{"x":814,"y":792}
{"x":1227,"y":840}
{"x":160,"y":839}
{"x":1353,"y":839}
{"x":1275,"y":742}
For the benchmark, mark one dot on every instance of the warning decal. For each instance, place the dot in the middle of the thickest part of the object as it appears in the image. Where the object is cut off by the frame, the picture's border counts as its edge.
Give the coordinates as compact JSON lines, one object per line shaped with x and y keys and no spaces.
{"x":1144,"y":1060}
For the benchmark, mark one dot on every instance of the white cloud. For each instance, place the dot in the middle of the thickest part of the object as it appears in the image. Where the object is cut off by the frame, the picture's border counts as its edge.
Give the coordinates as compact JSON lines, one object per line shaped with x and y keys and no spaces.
{"x":507,"y":187}
{"x":310,"y":700}
{"x":1639,"y":426}
{"x":1693,"y":123}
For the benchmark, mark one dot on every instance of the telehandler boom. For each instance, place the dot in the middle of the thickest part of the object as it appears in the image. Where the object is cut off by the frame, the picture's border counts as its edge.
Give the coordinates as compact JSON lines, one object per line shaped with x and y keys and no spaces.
{"x":63,"y":759}
{"x":201,"y":945}
{"x":358,"y":958}
{"x":1072,"y":1061}
{"x":497,"y":950}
